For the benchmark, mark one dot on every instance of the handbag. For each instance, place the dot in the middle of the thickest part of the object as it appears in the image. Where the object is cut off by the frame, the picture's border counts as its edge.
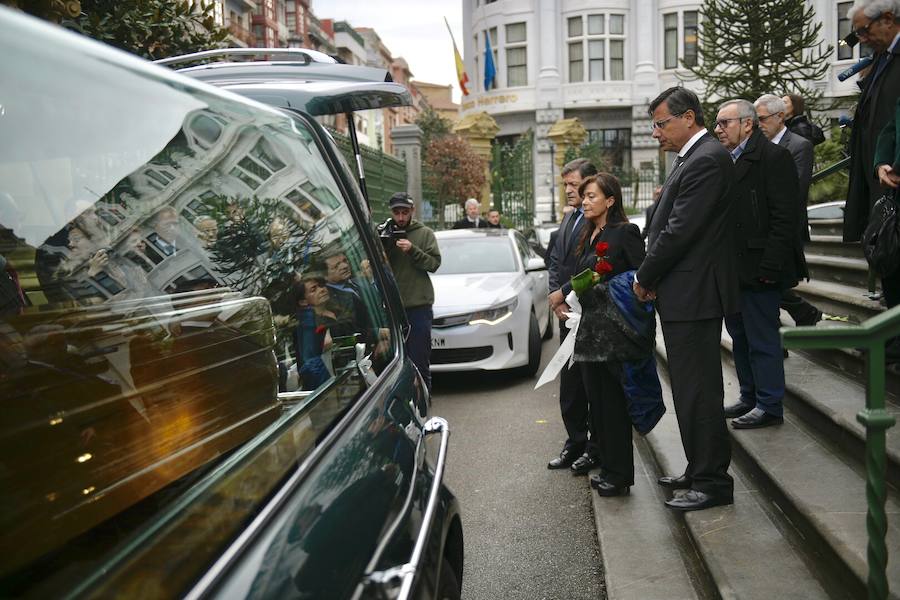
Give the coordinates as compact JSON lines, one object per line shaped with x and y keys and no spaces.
{"x":881,"y":239}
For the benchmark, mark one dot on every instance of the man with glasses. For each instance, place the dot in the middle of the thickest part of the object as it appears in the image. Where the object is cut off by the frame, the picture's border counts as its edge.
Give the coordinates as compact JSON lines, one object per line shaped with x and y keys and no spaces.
{"x":764,"y":194}
{"x":691,"y":271}
{"x":771,"y":111}
{"x":877,"y":24}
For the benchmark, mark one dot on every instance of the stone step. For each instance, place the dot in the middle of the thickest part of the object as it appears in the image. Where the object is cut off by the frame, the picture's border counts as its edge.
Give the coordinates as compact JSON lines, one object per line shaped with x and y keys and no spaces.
{"x":826,"y":227}
{"x":820,"y":492}
{"x":832,"y":245}
{"x":839,"y":269}
{"x":840,"y":300}
{"x":829,"y":402}
{"x":746,"y":550}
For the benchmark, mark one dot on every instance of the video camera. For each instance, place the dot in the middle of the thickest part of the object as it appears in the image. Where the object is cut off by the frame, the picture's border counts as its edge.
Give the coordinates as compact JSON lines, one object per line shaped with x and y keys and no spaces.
{"x":389,"y":233}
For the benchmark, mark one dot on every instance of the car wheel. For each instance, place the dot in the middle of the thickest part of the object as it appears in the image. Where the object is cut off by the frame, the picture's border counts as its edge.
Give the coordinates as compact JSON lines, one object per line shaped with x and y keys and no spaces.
{"x":548,"y":333}
{"x":448,"y":586}
{"x":534,"y":348}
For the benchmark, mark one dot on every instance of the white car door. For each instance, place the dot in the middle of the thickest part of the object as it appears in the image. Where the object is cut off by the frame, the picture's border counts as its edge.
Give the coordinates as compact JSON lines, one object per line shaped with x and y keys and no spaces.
{"x":538,"y":281}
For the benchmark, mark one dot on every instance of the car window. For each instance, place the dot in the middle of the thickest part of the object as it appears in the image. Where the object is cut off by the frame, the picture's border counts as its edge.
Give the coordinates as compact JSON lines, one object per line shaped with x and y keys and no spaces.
{"x":476,"y":255}
{"x":177,"y":271}
{"x":525,"y":251}
{"x":827,"y":211}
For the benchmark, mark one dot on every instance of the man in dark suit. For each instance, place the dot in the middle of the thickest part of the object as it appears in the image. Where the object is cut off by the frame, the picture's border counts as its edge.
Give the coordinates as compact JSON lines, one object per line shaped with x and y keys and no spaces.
{"x":690,"y":270}
{"x":771,"y":110}
{"x":764,"y":193}
{"x":580,"y":453}
{"x":473,"y":219}
{"x":880,"y":30}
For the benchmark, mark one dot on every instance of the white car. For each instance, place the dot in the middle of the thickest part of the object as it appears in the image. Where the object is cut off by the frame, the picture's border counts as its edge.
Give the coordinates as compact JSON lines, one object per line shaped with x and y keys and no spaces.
{"x":490,"y":307}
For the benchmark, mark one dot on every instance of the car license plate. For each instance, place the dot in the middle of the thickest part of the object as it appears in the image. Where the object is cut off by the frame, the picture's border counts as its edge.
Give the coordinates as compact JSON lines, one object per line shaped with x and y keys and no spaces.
{"x":437,"y":342}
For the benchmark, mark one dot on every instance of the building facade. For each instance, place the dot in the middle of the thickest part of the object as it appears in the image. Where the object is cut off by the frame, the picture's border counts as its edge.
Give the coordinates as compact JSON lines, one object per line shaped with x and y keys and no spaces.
{"x":600,"y":61}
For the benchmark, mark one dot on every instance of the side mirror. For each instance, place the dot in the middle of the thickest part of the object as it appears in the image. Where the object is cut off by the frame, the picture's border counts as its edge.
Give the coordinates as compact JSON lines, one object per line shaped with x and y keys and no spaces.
{"x":535,"y":263}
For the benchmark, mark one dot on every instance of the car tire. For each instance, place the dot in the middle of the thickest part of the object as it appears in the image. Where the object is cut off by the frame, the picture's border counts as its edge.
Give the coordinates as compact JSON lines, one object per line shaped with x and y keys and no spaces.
{"x":534,"y":348}
{"x":548,"y":332}
{"x":448,"y":586}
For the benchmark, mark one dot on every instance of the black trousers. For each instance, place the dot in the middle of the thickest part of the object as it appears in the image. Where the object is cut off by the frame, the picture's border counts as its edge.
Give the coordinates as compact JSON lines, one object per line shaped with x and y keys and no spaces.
{"x":695,"y":370}
{"x":801,"y":311}
{"x":891,"y":288}
{"x":610,"y":420}
{"x":573,"y":405}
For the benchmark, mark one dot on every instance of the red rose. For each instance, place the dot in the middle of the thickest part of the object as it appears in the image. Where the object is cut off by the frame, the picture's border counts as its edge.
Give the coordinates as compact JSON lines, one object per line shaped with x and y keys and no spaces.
{"x":603,"y":267}
{"x":601,"y":248}
{"x":321,"y":329}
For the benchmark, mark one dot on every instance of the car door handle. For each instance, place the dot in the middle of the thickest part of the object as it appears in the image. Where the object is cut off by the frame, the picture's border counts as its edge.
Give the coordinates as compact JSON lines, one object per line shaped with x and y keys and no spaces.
{"x":402,"y":576}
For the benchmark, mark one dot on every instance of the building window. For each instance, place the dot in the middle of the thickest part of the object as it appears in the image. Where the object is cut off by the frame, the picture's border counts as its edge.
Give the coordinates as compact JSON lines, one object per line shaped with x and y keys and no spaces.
{"x":604,"y":45}
{"x":516,"y":55}
{"x":690,"y":38}
{"x":670,"y":40}
{"x":616,"y":145}
{"x":476,"y":84}
{"x":492,"y":32}
{"x":845,"y":52}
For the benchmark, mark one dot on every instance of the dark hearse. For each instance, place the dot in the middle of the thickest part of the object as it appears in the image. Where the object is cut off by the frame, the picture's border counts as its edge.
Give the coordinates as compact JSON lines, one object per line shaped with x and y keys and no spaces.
{"x":204,"y":386}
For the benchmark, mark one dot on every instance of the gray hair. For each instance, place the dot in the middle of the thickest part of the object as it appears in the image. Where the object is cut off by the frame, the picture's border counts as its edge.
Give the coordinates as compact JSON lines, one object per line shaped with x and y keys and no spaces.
{"x":472,"y":202}
{"x":744,"y":108}
{"x":874,"y":8}
{"x":772,"y":103}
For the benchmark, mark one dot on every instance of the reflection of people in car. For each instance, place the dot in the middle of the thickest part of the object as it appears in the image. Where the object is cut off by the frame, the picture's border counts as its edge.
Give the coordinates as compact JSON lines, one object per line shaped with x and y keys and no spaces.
{"x":165,"y":226}
{"x":208,"y":230}
{"x":311,"y":337}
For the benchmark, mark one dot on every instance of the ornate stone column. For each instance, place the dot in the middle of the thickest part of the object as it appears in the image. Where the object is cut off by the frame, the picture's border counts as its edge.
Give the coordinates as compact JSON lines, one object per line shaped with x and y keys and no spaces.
{"x":407,"y":140}
{"x":565,"y":134}
{"x":480,"y":129}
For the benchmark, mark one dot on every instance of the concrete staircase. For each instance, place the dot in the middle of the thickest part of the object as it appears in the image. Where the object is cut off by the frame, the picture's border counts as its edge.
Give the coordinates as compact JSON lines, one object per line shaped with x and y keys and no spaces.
{"x":797,"y":528}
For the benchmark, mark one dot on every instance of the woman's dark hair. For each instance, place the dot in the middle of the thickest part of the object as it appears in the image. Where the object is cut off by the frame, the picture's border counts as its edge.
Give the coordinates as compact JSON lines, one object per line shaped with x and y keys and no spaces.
{"x":798,"y":104}
{"x":615,"y":214}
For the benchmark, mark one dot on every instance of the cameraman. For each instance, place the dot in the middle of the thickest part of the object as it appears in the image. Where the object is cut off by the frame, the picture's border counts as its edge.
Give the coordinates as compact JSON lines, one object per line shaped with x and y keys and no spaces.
{"x":413,"y":252}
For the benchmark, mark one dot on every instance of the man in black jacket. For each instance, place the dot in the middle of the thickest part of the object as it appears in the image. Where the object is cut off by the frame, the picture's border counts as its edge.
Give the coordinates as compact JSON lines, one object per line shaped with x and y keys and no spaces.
{"x":581,"y":453}
{"x":473,"y":219}
{"x":764,"y":196}
{"x":770,"y":109}
{"x":690,"y":269}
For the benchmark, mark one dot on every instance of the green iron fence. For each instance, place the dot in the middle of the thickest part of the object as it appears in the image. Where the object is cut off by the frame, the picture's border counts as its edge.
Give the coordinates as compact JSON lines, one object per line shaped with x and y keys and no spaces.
{"x":512,"y":181}
{"x":384,"y":174}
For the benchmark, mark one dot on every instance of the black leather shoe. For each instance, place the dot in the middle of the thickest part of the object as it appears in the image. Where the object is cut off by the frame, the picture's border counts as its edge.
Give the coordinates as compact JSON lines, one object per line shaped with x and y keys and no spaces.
{"x":563,"y":461}
{"x":584,"y":463}
{"x":605,"y":488}
{"x":694,"y":500}
{"x":738,"y":409}
{"x":682,"y":482}
{"x":755,"y":419}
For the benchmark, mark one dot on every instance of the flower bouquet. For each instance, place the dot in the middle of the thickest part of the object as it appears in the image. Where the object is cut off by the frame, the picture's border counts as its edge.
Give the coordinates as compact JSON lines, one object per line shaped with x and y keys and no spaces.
{"x":591,"y":277}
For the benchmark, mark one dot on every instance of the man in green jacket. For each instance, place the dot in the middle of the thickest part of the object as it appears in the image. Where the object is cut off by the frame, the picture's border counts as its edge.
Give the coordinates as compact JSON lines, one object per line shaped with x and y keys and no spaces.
{"x":887,"y":168}
{"x":413,"y":253}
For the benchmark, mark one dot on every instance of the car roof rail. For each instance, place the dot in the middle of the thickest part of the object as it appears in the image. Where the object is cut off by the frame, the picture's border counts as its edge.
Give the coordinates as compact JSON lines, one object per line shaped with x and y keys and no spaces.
{"x":309,"y":56}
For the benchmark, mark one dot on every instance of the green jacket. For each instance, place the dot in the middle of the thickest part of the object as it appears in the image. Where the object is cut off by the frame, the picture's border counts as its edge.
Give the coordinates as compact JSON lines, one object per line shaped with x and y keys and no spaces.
{"x":887,"y":148}
{"x":411,"y":268}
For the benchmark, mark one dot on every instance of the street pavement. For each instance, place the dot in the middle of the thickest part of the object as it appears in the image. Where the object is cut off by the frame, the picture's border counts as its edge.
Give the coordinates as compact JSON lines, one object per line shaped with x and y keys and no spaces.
{"x":529,"y":532}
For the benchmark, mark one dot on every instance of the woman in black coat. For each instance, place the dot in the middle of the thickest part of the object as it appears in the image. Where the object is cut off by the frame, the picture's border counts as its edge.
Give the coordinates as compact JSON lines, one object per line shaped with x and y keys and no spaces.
{"x":610,"y":422}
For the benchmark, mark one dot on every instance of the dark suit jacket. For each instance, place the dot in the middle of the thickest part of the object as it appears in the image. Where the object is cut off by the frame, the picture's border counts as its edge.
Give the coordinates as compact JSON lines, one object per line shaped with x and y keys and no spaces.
{"x":562,"y":254}
{"x":802,"y":152}
{"x":887,"y":152}
{"x":626,"y":250}
{"x":764,"y":201}
{"x":874,"y":109}
{"x":465,"y":223}
{"x":690,"y":260}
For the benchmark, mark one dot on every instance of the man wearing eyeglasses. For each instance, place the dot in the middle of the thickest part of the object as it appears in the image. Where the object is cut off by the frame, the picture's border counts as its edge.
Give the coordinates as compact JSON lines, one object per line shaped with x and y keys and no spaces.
{"x":877,"y":24}
{"x":690,"y":270}
{"x":764,"y":195}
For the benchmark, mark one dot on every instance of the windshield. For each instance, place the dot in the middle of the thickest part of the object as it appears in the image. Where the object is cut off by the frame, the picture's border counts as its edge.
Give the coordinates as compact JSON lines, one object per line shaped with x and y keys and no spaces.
{"x":476,"y":255}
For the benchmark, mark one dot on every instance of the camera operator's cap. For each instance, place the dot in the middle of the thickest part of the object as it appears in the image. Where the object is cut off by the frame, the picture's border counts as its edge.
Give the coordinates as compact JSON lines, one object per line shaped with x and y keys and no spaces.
{"x":401,"y":199}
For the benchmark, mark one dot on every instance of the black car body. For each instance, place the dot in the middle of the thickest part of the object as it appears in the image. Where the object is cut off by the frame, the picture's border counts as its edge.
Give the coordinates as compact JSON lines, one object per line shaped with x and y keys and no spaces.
{"x":165,"y":249}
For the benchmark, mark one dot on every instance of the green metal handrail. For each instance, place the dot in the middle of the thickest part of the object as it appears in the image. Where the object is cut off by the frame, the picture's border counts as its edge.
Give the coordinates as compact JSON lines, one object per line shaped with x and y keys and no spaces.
{"x":841,"y":164}
{"x":871,"y":336}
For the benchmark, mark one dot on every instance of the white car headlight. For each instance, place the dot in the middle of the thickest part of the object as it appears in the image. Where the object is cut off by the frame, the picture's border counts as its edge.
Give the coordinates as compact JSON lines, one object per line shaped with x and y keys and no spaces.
{"x":495,"y":314}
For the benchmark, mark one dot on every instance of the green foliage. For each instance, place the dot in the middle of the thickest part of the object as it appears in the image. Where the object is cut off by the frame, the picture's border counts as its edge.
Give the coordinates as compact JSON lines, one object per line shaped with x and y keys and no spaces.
{"x":512,"y":180}
{"x":833,"y":187}
{"x":453,"y":171}
{"x":602,"y":158}
{"x":153,"y":29}
{"x":748,"y":48}
{"x":433,"y":126}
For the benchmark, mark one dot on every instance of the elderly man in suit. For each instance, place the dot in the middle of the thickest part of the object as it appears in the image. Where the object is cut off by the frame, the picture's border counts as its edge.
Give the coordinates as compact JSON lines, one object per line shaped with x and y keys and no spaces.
{"x":690,"y":270}
{"x":771,"y":111}
{"x":877,"y":24}
{"x":580,"y":453}
{"x":764,"y":195}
